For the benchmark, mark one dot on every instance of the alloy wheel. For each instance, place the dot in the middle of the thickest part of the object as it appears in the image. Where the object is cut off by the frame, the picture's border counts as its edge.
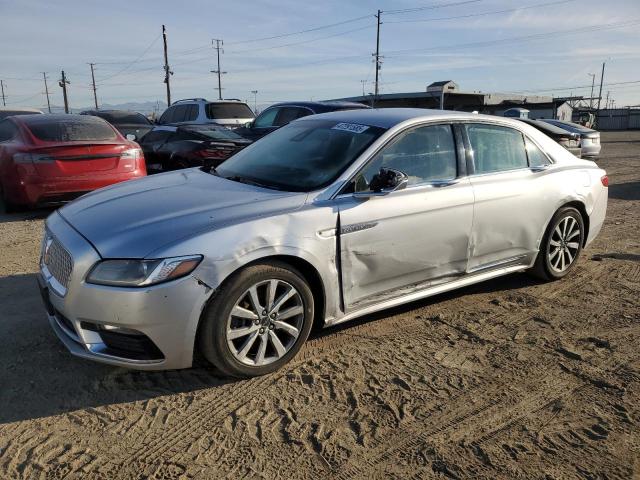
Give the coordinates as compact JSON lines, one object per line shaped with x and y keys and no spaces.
{"x":265,"y":322}
{"x":564,"y":244}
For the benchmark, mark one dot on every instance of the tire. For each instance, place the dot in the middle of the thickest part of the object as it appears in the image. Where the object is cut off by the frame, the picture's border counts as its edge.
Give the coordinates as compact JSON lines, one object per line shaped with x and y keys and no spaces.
{"x":8,"y":205}
{"x":242,"y":343}
{"x":561,"y":245}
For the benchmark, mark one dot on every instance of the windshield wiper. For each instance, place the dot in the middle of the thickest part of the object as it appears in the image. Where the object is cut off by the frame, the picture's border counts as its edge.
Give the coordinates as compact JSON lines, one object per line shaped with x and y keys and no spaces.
{"x":210,"y":169}
{"x":248,"y":181}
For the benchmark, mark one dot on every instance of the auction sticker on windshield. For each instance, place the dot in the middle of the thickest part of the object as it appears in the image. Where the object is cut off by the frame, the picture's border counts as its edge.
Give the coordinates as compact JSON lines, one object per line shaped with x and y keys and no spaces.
{"x":350,"y":127}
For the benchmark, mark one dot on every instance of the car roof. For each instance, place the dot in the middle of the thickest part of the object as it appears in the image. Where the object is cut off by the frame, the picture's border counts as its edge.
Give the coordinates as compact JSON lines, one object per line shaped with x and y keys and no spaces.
{"x":21,"y":109}
{"x":389,"y":117}
{"x":544,"y":126}
{"x":325,"y":106}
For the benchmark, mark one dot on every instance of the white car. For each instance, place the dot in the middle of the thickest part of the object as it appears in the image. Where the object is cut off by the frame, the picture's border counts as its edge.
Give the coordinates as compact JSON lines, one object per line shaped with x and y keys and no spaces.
{"x":228,"y":113}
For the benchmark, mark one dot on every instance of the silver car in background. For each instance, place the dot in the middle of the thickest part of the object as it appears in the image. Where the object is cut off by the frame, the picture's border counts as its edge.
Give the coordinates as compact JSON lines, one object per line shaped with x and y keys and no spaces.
{"x":331,"y":217}
{"x":589,"y":138}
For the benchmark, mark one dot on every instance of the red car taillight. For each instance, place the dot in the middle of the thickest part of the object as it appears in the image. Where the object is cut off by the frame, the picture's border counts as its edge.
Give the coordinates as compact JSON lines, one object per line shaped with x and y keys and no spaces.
{"x":211,"y":154}
{"x":605,"y":181}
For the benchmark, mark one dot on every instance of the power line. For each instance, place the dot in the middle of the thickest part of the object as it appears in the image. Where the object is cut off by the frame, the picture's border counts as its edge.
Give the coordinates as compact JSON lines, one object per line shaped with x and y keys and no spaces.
{"x":481,"y":14}
{"x":300,"y":32}
{"x":536,"y":36}
{"x":430,"y":7}
{"x":293,"y":44}
{"x":130,"y":64}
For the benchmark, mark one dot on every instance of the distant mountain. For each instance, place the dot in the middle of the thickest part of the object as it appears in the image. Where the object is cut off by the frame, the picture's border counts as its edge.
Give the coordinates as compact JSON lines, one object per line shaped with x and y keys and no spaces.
{"x":145,"y":108}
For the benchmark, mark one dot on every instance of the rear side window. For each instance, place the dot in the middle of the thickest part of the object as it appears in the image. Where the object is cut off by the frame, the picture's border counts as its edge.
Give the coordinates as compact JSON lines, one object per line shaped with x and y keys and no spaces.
{"x":166,"y":116}
{"x":180,"y":113}
{"x":536,"y":157}
{"x":289,"y":114}
{"x":72,"y":130}
{"x":228,"y":110}
{"x":496,"y":148}
{"x":7,"y":131}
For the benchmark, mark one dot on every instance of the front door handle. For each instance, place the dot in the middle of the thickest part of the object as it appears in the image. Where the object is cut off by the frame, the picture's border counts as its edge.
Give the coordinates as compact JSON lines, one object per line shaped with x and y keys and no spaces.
{"x":443,"y":183}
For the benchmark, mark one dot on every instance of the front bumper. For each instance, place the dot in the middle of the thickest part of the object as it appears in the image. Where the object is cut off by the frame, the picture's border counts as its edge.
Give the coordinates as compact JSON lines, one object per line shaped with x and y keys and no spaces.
{"x":150,"y":328}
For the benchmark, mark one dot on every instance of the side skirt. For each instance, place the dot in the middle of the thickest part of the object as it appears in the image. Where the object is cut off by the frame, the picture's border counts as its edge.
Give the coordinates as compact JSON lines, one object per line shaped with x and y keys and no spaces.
{"x":428,"y":292}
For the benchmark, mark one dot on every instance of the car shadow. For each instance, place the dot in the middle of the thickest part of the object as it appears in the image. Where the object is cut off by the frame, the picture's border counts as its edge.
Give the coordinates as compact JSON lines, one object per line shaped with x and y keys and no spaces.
{"x":40,"y":378}
{"x":38,"y":214}
{"x":625,"y":191}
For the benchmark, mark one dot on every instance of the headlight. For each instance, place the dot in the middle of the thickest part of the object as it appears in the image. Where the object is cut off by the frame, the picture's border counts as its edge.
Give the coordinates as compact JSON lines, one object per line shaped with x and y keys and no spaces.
{"x":141,"y":273}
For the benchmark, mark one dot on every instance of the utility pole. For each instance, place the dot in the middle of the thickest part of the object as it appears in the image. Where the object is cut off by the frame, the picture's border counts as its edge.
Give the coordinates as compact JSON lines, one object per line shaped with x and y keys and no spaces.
{"x":377,"y":55}
{"x":63,"y":83}
{"x":46,"y":90}
{"x":167,"y":70}
{"x":363,"y":82}
{"x":93,"y":82}
{"x":255,"y":101}
{"x":218,"y":71}
{"x":607,"y":101}
{"x":4,"y":102}
{"x":593,"y":81}
{"x":601,"y":82}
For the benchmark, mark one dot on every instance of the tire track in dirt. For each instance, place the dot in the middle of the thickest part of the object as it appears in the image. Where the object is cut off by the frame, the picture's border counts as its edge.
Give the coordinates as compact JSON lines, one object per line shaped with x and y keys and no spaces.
{"x":474,"y":416}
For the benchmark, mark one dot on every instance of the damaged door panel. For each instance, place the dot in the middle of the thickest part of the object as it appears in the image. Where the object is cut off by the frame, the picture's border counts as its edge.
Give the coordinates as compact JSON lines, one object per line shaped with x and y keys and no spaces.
{"x":405,"y":238}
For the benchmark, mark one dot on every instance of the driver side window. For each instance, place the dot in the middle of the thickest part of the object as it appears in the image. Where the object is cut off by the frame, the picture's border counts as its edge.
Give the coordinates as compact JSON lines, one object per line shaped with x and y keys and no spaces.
{"x":424,"y":154}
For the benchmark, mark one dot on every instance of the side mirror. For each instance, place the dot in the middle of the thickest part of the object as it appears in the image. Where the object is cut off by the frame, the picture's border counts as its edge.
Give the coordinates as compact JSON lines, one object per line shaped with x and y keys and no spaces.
{"x":131,"y":137}
{"x":248,"y":125}
{"x":384,"y":182}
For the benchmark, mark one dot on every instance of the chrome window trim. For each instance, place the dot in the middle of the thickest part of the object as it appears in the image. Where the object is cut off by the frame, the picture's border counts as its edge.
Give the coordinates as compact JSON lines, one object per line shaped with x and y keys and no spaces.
{"x":404,"y":127}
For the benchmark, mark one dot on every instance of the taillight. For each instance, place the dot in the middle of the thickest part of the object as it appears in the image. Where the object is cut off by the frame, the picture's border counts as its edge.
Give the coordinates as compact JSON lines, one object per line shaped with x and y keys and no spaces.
{"x":216,"y":154}
{"x":132,"y":154}
{"x":605,"y":181}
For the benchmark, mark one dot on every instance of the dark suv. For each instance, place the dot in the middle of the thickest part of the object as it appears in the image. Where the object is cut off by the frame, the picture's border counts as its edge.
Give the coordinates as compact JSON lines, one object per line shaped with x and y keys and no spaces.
{"x":280,"y":114}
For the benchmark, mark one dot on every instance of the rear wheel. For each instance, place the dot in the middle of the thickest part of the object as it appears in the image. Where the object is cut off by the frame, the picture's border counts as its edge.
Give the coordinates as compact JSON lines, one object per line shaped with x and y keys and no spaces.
{"x":258,"y":320}
{"x":561,"y":245}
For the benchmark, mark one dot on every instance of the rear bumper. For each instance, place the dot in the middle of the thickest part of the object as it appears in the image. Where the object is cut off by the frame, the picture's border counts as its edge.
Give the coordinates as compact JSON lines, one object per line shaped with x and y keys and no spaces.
{"x":34,"y":190}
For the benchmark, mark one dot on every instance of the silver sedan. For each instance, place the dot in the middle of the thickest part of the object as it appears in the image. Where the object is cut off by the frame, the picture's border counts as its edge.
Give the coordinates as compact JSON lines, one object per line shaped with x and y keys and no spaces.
{"x":332,"y":217}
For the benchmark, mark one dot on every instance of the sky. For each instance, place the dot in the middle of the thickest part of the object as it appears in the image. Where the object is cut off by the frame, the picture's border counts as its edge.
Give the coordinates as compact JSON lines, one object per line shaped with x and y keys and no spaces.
{"x":545,"y":47}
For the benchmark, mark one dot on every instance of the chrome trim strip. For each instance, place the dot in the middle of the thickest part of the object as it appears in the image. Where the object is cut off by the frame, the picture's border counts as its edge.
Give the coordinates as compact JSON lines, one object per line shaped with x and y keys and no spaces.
{"x":429,"y":292}
{"x":497,"y":263}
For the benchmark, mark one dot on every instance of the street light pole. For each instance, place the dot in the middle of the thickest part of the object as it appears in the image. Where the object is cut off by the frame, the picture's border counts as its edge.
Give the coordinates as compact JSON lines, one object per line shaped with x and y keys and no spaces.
{"x":255,"y":101}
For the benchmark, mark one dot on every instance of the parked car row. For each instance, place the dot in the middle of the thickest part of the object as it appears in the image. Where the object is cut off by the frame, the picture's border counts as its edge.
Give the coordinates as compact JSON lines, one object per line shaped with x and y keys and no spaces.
{"x":82,"y":152}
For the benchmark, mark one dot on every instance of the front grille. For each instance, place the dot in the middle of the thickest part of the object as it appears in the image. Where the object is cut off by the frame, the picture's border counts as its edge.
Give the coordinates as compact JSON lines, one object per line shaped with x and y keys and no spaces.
{"x":57,"y":260}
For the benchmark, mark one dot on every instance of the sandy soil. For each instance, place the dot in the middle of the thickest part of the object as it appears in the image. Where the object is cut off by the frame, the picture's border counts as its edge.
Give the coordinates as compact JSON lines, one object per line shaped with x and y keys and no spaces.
{"x":509,"y":379}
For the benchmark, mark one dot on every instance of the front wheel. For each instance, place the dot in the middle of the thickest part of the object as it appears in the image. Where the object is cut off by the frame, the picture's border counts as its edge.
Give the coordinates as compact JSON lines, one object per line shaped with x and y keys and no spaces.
{"x":257,"y":320}
{"x":560,"y":246}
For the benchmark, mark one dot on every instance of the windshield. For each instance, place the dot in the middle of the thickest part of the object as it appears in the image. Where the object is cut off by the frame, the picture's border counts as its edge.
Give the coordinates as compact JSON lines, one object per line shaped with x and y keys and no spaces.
{"x":228,"y":110}
{"x":213,"y":133}
{"x":302,"y":156}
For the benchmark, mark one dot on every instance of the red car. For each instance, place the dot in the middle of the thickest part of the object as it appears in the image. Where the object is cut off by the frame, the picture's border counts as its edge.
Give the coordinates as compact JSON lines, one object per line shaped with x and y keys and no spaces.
{"x":49,"y":159}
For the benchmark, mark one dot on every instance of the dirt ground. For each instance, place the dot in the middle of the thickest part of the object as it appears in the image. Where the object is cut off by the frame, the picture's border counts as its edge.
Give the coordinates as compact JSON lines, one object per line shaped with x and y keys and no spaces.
{"x":508,"y":379}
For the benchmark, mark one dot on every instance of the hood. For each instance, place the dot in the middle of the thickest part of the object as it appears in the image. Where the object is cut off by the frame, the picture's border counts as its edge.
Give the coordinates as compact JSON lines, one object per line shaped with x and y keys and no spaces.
{"x":134,"y":218}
